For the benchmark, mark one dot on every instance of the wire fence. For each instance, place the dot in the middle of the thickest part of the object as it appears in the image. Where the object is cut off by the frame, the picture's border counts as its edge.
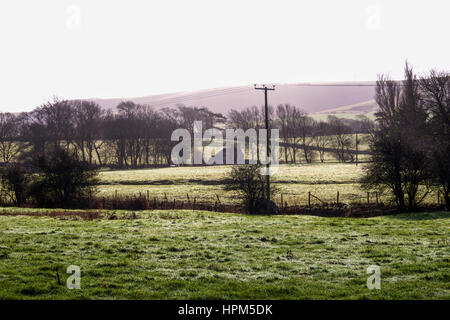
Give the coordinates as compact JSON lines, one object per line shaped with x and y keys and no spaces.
{"x":309,"y":203}
{"x":216,"y":202}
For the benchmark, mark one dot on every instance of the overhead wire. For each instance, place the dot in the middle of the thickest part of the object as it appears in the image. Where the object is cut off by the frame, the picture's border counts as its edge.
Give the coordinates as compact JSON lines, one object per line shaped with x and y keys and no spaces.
{"x":226,"y":91}
{"x":200,"y":96}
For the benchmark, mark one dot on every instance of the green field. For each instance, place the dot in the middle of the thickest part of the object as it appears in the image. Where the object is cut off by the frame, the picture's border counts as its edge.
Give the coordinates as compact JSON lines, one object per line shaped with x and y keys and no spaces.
{"x":323,"y":180}
{"x":342,"y":115}
{"x":209,"y":255}
{"x":203,"y":255}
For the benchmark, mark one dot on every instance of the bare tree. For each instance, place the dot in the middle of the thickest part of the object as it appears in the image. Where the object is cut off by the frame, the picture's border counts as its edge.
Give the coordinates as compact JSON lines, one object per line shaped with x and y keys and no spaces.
{"x":398,"y":144}
{"x":88,"y":119}
{"x":341,"y":139}
{"x":10,"y":144}
{"x":435,"y":89}
{"x":305,"y":131}
{"x":284,"y":114}
{"x":296,"y":130}
{"x":322,"y":138}
{"x":48,"y":126}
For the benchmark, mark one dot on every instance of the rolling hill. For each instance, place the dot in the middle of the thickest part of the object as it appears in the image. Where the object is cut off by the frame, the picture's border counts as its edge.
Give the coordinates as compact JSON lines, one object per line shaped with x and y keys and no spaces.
{"x":322,"y":98}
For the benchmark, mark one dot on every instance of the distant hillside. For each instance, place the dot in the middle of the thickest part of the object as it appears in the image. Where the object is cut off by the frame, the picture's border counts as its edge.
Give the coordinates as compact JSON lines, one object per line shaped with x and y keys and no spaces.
{"x":313,"y":98}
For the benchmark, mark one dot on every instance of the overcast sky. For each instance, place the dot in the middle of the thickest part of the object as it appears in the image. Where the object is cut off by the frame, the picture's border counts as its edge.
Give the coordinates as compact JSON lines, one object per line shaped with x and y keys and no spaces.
{"x":106,"y":48}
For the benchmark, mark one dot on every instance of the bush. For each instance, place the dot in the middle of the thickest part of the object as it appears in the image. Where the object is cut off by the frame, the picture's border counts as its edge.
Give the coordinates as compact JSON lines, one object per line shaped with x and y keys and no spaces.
{"x":248,"y":182}
{"x":15,"y":183}
{"x":63,"y":181}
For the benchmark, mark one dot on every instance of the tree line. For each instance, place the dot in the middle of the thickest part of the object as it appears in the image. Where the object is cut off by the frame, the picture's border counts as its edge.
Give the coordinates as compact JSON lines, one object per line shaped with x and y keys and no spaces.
{"x":136,"y":135}
{"x":133,"y":136}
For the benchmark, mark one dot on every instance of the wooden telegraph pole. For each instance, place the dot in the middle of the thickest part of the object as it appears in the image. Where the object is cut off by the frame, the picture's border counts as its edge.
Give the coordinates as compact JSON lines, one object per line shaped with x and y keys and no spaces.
{"x":265,"y":88}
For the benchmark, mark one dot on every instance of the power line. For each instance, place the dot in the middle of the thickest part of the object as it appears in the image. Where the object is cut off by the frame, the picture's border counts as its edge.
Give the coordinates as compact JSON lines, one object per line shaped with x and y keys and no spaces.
{"x":335,"y":85}
{"x":344,"y":84}
{"x":236,"y":90}
{"x":201,"y":96}
{"x":226,"y":91}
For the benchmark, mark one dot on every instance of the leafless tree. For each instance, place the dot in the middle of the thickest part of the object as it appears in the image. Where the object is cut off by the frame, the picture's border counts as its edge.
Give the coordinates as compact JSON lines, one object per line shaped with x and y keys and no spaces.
{"x":285,"y":117}
{"x":88,"y":120}
{"x":322,"y":138}
{"x":10,"y":144}
{"x":305,"y":131}
{"x":48,"y":126}
{"x":435,"y":89}
{"x":341,"y":139}
{"x":399,"y":143}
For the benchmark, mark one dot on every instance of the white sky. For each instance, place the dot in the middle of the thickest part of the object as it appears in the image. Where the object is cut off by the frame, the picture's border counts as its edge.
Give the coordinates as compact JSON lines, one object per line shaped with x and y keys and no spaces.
{"x":106,"y":48}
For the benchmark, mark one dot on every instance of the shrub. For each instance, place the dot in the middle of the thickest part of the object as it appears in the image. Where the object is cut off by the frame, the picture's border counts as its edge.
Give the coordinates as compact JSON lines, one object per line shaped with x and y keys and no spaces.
{"x":15,"y":183}
{"x":63,"y":180}
{"x":248,"y":182}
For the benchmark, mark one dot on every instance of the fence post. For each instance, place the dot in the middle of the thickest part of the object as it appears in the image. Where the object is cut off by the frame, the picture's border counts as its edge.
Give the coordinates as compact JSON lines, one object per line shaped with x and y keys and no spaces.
{"x":439,"y":202}
{"x":376,"y":196}
{"x":148,"y":195}
{"x":337,"y":197}
{"x":309,"y":198}
{"x":193,"y":205}
{"x":103,"y":202}
{"x":368,"y":197}
{"x":282,"y":200}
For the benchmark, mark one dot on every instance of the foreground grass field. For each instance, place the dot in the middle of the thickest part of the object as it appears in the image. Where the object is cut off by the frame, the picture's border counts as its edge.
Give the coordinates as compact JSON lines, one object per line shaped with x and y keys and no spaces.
{"x":203,"y":255}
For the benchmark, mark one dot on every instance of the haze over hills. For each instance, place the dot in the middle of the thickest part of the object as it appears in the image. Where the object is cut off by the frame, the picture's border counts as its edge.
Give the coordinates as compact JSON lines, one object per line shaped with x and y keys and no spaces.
{"x":343,"y":97}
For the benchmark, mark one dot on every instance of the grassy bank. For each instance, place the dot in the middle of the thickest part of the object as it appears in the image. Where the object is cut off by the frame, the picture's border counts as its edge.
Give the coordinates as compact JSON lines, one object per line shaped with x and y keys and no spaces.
{"x":202,"y":255}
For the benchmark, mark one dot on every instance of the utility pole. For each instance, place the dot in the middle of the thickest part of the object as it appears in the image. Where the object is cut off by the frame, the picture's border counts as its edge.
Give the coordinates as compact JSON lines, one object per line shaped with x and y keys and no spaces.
{"x":265,"y":88}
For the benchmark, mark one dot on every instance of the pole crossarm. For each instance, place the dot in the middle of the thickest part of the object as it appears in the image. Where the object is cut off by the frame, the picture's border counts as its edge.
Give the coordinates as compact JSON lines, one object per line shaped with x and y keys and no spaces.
{"x":264,"y":87}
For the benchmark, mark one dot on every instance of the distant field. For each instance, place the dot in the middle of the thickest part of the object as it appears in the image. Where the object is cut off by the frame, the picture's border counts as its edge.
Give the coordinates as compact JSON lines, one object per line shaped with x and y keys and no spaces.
{"x":204,"y":183}
{"x":203,"y":255}
{"x":344,"y":115}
